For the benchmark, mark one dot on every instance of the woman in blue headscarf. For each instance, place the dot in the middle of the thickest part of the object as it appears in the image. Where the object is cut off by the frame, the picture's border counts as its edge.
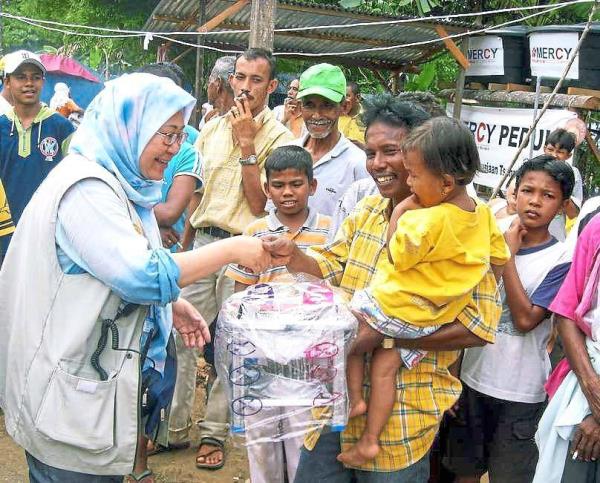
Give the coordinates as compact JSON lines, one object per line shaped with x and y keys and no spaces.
{"x":89,"y":297}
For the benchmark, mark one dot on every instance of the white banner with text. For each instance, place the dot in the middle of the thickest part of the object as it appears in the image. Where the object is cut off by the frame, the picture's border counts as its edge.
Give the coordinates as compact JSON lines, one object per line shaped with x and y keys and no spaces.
{"x":498,"y":133}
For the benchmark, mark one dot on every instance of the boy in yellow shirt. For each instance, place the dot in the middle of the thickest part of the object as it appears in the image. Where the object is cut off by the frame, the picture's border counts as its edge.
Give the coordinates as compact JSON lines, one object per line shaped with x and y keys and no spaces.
{"x":441,"y":243}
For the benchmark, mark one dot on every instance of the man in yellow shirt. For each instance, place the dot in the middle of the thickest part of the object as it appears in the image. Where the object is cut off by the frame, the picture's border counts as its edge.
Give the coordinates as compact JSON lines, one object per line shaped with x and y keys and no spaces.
{"x":424,"y":393}
{"x":233,"y":150}
{"x":350,"y":123}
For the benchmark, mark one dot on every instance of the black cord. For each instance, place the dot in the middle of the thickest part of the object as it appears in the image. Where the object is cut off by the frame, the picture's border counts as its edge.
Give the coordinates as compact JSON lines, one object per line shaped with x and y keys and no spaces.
{"x":107,"y":324}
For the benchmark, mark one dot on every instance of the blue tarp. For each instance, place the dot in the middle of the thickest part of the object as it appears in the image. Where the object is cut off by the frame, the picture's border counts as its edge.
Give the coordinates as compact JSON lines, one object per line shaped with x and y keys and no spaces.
{"x":82,"y":90}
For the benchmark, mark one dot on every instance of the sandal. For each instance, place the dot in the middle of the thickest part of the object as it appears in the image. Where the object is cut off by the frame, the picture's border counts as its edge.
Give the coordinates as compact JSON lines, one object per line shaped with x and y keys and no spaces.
{"x":219,"y":448}
{"x":154,"y":449}
{"x":145,"y":476}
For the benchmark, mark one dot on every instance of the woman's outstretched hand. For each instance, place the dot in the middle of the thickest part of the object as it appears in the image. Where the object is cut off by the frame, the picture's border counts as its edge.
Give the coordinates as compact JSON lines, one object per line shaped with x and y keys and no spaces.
{"x":190,"y":324}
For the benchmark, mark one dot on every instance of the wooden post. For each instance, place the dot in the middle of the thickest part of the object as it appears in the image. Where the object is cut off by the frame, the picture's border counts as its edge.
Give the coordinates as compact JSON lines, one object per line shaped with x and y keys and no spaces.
{"x":396,"y":88}
{"x":262,"y":23}
{"x":459,"y":54}
{"x":460,"y":81}
{"x":197,"y":114}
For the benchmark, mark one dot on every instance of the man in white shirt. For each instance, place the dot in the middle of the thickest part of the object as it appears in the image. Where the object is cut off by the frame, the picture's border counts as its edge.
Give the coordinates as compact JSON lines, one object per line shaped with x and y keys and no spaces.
{"x":337,"y":162}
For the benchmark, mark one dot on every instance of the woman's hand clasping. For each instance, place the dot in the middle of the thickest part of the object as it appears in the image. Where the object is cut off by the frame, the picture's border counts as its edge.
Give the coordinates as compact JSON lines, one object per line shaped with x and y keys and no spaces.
{"x":251,"y":254}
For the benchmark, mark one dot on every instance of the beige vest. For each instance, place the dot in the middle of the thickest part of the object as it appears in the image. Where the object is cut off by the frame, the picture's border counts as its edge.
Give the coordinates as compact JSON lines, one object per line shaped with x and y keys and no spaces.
{"x":56,"y":406}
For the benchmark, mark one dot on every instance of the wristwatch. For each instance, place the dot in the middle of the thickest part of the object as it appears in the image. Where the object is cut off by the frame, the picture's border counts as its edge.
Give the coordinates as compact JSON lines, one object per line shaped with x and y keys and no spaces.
{"x":248,"y":161}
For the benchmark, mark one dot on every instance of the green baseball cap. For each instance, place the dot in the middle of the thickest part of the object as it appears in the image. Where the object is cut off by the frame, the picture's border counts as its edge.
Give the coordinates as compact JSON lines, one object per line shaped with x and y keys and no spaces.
{"x":323,"y":80}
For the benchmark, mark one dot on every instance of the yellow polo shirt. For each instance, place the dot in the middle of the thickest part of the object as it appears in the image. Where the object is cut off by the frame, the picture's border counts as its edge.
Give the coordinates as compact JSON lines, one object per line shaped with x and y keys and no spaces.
{"x":223,"y":203}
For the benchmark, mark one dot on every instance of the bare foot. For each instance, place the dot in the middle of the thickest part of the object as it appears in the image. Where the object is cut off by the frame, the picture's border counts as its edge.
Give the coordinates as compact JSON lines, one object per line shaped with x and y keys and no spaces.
{"x":357,"y":408}
{"x":362,"y":452}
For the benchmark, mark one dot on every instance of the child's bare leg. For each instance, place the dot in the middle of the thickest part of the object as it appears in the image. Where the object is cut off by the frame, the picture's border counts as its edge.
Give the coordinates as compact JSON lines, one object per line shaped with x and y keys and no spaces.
{"x":366,"y":340}
{"x":384,"y":366}
{"x":354,"y":373}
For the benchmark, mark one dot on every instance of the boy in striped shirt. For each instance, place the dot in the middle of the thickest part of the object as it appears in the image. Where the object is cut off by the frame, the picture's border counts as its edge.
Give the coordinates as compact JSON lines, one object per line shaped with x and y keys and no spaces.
{"x":289,"y":173}
{"x":289,"y":183}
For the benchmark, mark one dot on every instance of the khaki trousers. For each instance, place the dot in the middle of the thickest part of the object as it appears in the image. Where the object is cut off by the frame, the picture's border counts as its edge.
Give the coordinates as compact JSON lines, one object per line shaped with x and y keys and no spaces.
{"x":207,"y":295}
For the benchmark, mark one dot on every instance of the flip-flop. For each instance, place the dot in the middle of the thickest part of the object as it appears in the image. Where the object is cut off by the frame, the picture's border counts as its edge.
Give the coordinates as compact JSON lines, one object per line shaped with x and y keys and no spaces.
{"x":159,"y":448}
{"x":219,"y":448}
{"x":145,"y":476}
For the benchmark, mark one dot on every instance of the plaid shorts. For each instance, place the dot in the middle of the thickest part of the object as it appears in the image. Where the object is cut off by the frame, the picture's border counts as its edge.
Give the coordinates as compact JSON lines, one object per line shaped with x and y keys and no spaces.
{"x":364,"y":303}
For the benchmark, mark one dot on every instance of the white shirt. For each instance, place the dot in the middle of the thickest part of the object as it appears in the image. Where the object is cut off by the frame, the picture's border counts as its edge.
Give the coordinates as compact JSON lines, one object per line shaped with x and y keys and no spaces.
{"x":516,"y":366}
{"x":335,"y":172}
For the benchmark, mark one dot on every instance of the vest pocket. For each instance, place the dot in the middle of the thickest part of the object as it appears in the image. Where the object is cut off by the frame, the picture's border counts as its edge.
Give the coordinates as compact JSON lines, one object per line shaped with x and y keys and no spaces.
{"x":78,"y":411}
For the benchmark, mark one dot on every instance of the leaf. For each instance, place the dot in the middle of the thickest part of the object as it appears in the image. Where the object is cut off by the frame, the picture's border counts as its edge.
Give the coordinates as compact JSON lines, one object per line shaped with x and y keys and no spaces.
{"x":348,"y":4}
{"x":95,"y":58}
{"x":49,"y":49}
{"x":426,"y":77}
{"x":423,"y":6}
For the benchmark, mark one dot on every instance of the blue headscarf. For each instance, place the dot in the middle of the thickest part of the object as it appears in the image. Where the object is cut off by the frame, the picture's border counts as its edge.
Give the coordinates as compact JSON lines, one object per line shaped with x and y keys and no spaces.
{"x":116,"y":128}
{"x":120,"y":122}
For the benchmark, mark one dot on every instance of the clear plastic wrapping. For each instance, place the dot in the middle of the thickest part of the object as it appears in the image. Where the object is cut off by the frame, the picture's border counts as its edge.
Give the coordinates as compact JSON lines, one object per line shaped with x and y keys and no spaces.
{"x":281,"y":352}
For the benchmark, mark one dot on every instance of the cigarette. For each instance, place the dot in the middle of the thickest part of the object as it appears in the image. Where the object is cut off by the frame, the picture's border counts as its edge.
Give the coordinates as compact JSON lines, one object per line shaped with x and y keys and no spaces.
{"x":179,"y":245}
{"x":575,"y":455}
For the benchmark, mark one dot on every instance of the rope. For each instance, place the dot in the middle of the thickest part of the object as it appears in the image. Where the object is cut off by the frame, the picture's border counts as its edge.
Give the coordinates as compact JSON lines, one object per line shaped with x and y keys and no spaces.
{"x":117,"y":33}
{"x":548,"y":101}
{"x":141,"y":33}
{"x":367,"y":50}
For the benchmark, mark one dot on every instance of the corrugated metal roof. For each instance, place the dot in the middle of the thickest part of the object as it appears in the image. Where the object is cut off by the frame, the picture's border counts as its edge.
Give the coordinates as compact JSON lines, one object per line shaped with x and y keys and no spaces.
{"x":181,"y":15}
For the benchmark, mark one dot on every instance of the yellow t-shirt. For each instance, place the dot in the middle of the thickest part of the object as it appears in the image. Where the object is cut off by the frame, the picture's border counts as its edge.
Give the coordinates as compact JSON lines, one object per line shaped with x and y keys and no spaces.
{"x":352,"y":128}
{"x":440,"y":254}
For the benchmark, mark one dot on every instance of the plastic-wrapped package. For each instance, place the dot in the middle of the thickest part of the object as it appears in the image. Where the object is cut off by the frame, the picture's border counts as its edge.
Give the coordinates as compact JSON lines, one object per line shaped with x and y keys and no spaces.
{"x":281,"y":352}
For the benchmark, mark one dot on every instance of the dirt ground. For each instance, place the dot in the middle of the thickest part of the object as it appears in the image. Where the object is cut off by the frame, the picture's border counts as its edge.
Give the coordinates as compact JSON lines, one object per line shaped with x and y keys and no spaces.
{"x":173,"y":467}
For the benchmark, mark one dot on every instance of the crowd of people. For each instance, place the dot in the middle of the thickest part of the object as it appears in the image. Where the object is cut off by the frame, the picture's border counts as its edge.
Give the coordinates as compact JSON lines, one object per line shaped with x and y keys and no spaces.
{"x":122,"y":238}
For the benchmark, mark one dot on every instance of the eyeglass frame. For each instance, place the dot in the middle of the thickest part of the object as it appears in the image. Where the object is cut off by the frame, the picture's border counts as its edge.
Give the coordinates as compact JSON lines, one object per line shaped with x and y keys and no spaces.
{"x":171,"y":137}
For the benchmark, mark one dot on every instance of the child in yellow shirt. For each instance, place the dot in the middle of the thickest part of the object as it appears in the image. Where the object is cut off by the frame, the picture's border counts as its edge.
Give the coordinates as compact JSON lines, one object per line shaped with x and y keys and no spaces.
{"x":441,"y":243}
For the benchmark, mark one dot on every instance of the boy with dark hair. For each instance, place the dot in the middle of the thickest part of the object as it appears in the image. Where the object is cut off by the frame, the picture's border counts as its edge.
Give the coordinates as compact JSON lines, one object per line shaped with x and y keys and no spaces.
{"x":503,"y":384}
{"x":560,"y":145}
{"x":289,"y":184}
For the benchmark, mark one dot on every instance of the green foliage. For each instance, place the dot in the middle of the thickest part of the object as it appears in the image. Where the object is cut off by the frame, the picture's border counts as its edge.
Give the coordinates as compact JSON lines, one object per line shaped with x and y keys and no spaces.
{"x":422,"y":81}
{"x":386,"y":7}
{"x":107,"y":55}
{"x":438,"y":73}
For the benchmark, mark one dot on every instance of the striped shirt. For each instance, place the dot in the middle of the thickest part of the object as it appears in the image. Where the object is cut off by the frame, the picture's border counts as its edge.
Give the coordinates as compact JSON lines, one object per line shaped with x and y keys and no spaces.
{"x":422,"y":393}
{"x":313,"y":232}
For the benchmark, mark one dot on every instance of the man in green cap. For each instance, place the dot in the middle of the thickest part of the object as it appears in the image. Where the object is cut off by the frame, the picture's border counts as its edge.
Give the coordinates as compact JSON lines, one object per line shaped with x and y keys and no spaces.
{"x":337,"y":162}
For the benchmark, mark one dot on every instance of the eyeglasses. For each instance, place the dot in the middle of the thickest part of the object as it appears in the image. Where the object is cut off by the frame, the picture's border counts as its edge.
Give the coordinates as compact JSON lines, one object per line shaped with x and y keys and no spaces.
{"x":169,"y":138}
